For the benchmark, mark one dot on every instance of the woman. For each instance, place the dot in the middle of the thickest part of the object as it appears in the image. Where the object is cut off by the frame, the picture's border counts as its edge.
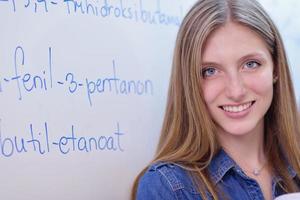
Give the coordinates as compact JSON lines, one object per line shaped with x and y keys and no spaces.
{"x":230,"y":130}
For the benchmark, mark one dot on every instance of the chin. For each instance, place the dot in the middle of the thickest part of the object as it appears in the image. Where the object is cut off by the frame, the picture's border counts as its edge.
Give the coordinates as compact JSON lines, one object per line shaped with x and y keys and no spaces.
{"x":236,"y":132}
{"x":240,"y":129}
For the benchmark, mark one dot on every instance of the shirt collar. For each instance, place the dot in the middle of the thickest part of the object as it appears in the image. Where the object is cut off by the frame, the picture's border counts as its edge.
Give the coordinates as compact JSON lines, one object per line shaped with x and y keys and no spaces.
{"x":222,"y":163}
{"x":291,"y":171}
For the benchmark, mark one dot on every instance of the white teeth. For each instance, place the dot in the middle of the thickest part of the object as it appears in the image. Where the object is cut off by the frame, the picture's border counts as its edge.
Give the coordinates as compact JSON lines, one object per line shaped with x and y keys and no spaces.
{"x":239,"y":108}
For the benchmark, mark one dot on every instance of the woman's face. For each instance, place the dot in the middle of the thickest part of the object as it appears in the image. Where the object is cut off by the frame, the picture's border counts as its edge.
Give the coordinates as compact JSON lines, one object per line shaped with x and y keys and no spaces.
{"x":237,"y":71}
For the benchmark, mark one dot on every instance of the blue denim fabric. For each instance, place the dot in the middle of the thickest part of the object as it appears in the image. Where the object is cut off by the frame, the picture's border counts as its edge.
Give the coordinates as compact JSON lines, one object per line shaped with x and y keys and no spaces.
{"x":169,"y":181}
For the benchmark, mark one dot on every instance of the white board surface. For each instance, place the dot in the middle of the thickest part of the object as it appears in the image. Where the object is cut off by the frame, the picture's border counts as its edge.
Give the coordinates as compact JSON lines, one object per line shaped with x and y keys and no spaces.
{"x":82,"y":92}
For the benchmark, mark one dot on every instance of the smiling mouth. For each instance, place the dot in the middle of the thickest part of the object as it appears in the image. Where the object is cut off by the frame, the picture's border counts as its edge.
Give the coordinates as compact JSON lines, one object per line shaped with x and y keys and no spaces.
{"x":237,"y":108}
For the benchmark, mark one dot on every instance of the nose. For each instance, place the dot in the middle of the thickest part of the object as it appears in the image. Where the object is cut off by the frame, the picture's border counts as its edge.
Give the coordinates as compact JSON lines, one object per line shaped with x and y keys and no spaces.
{"x":235,"y":87}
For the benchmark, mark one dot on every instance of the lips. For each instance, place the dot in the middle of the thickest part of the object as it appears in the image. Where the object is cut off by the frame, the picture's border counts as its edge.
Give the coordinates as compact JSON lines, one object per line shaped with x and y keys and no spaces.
{"x":237,"y":108}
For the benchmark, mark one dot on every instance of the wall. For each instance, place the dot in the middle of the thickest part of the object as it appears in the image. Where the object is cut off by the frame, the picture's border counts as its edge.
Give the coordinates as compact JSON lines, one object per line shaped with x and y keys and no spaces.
{"x":286,"y":16}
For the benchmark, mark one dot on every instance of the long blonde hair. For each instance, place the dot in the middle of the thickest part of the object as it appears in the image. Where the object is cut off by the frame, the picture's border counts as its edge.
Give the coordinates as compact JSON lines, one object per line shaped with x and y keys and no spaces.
{"x":188,"y":132}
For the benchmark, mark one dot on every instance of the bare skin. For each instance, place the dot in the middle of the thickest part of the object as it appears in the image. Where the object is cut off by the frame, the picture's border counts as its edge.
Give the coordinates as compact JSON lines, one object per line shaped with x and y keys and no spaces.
{"x":237,"y":73}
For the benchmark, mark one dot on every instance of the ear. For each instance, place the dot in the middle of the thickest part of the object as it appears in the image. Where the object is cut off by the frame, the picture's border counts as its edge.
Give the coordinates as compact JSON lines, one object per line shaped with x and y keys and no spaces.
{"x":275,"y":78}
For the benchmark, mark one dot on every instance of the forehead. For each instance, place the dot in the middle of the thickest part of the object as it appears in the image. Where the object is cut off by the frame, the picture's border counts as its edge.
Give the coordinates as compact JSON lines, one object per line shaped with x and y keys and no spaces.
{"x":233,"y":41}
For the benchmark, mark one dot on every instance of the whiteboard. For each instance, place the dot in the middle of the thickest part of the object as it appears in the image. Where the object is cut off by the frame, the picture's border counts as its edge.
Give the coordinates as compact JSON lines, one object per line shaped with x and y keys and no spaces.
{"x":82,"y":92}
{"x":83,"y":87}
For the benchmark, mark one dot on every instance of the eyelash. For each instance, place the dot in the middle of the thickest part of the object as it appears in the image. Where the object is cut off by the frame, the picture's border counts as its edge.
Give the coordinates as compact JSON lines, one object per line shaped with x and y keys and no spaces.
{"x":206,"y":69}
{"x":253,"y":61}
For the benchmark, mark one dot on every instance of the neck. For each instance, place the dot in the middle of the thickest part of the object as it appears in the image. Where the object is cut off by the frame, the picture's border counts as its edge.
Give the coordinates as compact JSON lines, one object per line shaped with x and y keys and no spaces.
{"x":250,"y":146}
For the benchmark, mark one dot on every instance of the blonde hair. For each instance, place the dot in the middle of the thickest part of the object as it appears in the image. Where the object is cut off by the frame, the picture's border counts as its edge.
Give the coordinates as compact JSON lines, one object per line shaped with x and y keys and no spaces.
{"x":188,"y":132}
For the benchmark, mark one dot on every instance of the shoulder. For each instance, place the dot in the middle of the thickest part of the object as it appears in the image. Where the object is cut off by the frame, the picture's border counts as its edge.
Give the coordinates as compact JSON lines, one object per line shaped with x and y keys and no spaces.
{"x":166,"y":181}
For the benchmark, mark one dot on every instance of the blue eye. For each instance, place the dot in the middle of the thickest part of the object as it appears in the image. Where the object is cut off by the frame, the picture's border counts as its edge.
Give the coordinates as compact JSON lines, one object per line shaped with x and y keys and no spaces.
{"x":208,"y":71}
{"x":252,"y":65}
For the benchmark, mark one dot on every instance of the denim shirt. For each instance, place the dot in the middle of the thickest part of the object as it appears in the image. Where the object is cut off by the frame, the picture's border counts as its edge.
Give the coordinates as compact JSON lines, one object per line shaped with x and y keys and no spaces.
{"x":169,"y":181}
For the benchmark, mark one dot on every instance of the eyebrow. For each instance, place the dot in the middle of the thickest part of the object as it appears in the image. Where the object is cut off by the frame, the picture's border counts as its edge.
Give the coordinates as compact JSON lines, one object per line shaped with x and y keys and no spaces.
{"x":256,"y":55}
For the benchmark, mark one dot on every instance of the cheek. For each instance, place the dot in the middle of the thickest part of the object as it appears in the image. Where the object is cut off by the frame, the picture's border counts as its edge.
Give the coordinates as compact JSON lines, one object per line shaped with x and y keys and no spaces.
{"x":262,"y":83}
{"x":211,"y":90}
